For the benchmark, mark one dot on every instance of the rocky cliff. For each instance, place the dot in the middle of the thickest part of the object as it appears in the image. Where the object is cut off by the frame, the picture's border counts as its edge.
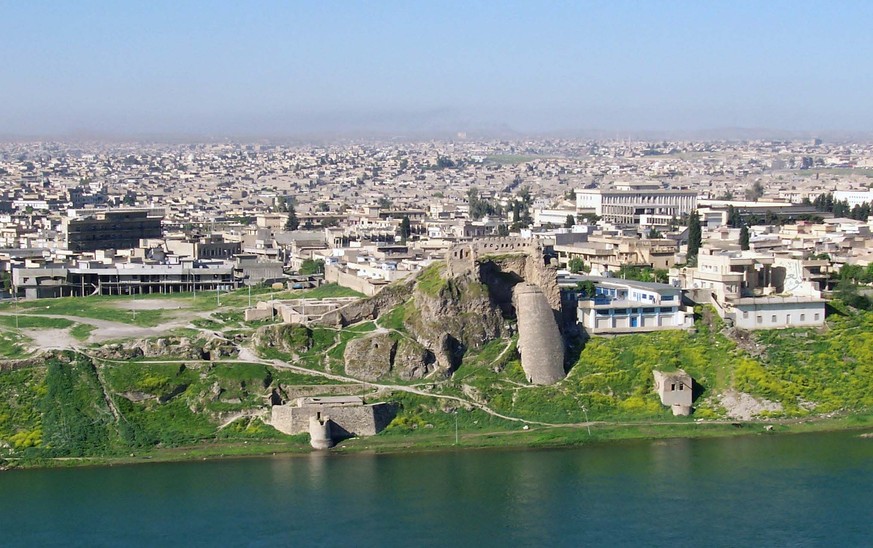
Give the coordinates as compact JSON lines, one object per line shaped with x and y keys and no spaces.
{"x":382,"y":355}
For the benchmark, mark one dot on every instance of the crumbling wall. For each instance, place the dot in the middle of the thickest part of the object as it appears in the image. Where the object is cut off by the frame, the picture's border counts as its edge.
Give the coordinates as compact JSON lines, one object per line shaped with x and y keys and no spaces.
{"x":539,"y":340}
{"x":362,"y":420}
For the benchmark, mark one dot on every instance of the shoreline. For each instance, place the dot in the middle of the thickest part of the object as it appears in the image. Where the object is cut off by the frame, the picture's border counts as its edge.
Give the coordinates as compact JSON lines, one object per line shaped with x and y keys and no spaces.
{"x":559,"y":437}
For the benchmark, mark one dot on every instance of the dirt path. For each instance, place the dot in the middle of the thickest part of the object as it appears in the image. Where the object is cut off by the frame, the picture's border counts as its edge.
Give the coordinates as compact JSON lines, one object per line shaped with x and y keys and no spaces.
{"x":246,"y":355}
{"x":105,"y":330}
{"x":52,"y":339}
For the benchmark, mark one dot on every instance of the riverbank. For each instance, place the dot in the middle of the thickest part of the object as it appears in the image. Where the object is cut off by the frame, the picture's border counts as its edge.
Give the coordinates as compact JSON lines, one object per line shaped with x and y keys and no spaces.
{"x":467,"y":439}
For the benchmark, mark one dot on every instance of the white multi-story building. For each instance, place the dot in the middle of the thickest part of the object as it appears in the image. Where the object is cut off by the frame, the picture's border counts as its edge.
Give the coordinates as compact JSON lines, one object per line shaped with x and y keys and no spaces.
{"x":626,"y":306}
{"x":645,"y":204}
{"x":854,"y":197}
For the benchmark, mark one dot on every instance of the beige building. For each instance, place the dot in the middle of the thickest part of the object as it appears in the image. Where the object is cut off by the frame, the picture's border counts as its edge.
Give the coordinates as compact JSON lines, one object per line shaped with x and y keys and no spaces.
{"x":675,"y":390}
{"x":609,"y":253}
{"x":756,"y":290}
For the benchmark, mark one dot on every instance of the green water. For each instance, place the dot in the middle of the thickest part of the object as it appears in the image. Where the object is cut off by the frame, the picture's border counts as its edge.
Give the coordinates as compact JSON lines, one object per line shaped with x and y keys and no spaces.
{"x":801,"y":490}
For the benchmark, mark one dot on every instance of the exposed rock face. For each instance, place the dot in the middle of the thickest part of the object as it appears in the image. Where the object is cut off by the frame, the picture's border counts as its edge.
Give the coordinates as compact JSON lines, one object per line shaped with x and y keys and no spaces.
{"x":459,"y":316}
{"x":501,"y":274}
{"x":539,"y":341}
{"x":455,"y":308}
{"x":289,"y":338}
{"x":412,"y":360}
{"x":742,"y":406}
{"x":171,"y":347}
{"x":379,"y":355}
{"x":369,"y":357}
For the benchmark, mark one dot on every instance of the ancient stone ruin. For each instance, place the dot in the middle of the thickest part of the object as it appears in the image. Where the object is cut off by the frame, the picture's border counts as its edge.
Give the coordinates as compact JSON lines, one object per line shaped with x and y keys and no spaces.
{"x":329,"y":419}
{"x":539,"y":341}
{"x":520,"y":282}
{"x":675,"y":390}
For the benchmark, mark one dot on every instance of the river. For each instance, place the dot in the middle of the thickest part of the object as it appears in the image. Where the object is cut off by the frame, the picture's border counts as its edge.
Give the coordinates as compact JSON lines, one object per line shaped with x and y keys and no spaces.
{"x":765,"y":490}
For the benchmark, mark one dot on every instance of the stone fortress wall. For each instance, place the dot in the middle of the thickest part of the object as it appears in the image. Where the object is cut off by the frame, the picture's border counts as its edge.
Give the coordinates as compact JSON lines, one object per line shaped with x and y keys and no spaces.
{"x":539,"y":340}
{"x":349,"y":416}
{"x":461,"y":258}
{"x":536,"y":298}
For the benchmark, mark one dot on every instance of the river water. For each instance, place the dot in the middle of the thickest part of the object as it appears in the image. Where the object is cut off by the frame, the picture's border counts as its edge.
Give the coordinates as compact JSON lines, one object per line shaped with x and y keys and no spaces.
{"x":767,"y":490}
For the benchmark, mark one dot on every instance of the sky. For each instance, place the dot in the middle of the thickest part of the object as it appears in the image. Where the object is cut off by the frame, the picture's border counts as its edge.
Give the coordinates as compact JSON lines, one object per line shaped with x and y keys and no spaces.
{"x":130,"y":67}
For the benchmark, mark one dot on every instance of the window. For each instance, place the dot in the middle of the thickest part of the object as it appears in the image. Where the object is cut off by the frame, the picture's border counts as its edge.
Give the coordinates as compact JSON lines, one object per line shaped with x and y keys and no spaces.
{"x":803,"y":317}
{"x":788,"y":318}
{"x":673,"y":386}
{"x":745,"y":314}
{"x":773,"y":318}
{"x":816,"y":317}
{"x":681,"y":387}
{"x":760,"y":319}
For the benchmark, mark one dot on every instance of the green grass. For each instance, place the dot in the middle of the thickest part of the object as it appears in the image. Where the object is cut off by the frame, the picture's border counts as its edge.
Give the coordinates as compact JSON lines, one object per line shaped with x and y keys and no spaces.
{"x":111,"y":308}
{"x":396,"y":318}
{"x":831,"y":368}
{"x":81,"y":331}
{"x":12,"y":345}
{"x":35,"y":322}
{"x":20,"y":418}
{"x":326,"y":291}
{"x":430,"y":281}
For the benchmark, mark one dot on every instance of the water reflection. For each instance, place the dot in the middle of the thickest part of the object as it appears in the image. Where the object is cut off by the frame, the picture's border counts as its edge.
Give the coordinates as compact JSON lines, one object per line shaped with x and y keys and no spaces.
{"x":780,"y":489}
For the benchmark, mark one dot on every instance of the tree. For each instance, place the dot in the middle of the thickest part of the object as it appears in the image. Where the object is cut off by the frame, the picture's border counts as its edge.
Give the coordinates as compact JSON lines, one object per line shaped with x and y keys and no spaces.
{"x":502,"y":230}
{"x":734,"y":218}
{"x":744,"y":238}
{"x":576,"y":265}
{"x":587,"y":289}
{"x":754,"y":192}
{"x":309,"y":267}
{"x":405,"y":229}
{"x":695,"y":235}
{"x":478,"y":207}
{"x":653,"y":234}
{"x":570,"y":222}
{"x":292,"y":223}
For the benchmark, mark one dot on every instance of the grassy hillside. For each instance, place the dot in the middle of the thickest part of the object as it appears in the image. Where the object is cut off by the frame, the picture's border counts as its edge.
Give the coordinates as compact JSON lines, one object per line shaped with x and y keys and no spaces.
{"x":71,"y":407}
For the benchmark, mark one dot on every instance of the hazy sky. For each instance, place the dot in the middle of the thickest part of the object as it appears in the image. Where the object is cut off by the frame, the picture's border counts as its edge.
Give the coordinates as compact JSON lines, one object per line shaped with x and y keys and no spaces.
{"x":129,"y":67}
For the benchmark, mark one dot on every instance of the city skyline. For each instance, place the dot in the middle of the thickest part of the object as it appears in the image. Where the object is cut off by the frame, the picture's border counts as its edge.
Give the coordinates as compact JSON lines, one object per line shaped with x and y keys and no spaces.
{"x":595,"y":68}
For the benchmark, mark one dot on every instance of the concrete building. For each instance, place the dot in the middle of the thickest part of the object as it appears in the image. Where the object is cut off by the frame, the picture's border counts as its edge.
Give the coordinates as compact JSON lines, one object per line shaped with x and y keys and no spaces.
{"x":675,"y":389}
{"x":86,"y":230}
{"x":754,"y":291}
{"x":608,"y":253}
{"x":128,"y":279}
{"x":208,"y":247}
{"x":854,"y":197}
{"x":637,"y":204}
{"x":626,"y":306}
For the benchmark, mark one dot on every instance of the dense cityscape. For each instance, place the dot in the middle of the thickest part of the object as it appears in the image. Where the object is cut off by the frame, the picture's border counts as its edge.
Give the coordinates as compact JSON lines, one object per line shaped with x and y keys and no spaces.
{"x":433,"y":274}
